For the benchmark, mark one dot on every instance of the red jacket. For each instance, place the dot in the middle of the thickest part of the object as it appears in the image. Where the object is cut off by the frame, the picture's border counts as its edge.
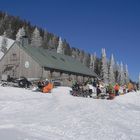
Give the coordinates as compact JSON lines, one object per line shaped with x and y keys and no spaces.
{"x":117,"y":87}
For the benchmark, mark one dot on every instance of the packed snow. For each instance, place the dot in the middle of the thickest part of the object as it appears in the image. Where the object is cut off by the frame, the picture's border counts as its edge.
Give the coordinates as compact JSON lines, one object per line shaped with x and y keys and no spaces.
{"x":9,"y":44}
{"x":28,"y":115}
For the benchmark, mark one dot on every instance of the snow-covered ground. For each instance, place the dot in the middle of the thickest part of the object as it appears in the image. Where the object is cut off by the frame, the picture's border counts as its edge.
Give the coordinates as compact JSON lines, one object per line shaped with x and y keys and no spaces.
{"x":27,"y":115}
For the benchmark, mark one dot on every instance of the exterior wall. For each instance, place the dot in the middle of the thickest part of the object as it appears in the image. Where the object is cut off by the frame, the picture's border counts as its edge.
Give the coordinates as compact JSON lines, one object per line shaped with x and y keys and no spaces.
{"x":11,"y":59}
{"x":50,"y":75}
{"x":56,"y":75}
{"x":80,"y":79}
{"x":46,"y":74}
{"x":18,"y":63}
{"x":29,"y":67}
{"x":22,"y":64}
{"x":73,"y":77}
{"x":67,"y":79}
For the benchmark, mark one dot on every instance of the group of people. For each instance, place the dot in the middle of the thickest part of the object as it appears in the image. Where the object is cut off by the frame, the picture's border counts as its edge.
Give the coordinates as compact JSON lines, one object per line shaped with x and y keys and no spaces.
{"x":102,"y":90}
{"x":81,"y":89}
{"x":116,"y":90}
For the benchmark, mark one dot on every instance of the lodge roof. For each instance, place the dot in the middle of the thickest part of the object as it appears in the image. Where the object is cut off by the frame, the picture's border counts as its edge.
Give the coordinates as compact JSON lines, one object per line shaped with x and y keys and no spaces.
{"x":58,"y":62}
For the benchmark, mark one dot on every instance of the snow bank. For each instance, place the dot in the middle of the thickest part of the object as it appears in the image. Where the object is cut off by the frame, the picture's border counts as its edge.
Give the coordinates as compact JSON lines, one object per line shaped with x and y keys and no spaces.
{"x":27,"y":115}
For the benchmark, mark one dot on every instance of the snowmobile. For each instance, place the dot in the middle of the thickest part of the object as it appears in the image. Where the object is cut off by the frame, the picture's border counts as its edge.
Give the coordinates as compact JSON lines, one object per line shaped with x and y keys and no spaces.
{"x":22,"y":82}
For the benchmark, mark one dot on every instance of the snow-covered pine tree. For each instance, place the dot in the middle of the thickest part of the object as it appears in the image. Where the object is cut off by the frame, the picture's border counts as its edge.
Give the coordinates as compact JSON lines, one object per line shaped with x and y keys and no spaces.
{"x":92,"y":61}
{"x":20,"y":34}
{"x":21,"y":37}
{"x":111,"y":70}
{"x":97,"y":66}
{"x":104,"y":70}
{"x":4,"y":43}
{"x":60,"y":46}
{"x":36,"y":39}
{"x":122,"y":76}
{"x":126,"y":74}
{"x":117,"y":73}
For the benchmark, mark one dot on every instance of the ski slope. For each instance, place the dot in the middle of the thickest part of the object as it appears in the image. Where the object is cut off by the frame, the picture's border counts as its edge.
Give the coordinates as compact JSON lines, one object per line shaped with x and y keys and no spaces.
{"x":28,"y":115}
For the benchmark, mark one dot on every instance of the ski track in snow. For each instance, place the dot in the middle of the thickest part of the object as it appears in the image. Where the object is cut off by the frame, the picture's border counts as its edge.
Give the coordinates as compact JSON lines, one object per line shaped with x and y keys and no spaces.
{"x":28,"y":115}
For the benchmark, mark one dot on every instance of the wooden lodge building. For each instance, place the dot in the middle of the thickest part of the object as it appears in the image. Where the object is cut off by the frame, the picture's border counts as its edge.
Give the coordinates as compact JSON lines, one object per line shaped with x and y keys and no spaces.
{"x":30,"y":62}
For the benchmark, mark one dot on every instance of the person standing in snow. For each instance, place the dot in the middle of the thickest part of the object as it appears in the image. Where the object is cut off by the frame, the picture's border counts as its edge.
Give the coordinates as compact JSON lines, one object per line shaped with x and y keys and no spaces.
{"x":130,"y":87}
{"x":111,"y":92}
{"x":116,"y":88}
{"x":94,"y":83}
{"x":75,"y":86}
{"x":124,"y":89}
{"x":98,"y":91}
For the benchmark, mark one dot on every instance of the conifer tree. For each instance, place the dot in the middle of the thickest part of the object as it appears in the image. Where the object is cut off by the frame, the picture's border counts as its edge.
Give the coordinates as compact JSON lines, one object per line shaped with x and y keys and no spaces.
{"x":36,"y":39}
{"x":117,"y":72}
{"x":111,"y":70}
{"x":20,"y":34}
{"x":122,"y":76}
{"x":92,"y":61}
{"x":104,"y":70}
{"x":126,"y":74}
{"x":60,"y":47}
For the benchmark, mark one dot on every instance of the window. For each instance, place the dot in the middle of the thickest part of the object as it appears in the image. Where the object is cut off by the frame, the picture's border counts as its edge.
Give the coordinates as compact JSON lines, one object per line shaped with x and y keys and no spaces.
{"x":13,"y":57}
{"x":14,"y":54}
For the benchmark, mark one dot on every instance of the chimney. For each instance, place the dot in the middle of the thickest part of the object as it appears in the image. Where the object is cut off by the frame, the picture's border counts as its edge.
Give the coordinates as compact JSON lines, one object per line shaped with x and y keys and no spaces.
{"x":24,"y":41}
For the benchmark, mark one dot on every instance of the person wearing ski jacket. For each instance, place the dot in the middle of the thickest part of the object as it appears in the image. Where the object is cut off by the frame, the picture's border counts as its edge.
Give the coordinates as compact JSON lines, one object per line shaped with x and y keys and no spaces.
{"x":48,"y":87}
{"x":98,"y":91}
{"x":130,"y":87}
{"x":116,"y":88}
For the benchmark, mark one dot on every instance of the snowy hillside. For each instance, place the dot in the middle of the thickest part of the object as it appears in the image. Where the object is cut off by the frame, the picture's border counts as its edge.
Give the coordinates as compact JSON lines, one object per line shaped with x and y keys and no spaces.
{"x":9,"y":44}
{"x":27,"y":115}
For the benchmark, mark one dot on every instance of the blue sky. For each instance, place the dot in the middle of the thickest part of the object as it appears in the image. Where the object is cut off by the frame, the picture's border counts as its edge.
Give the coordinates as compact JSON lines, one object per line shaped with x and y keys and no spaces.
{"x":88,"y":24}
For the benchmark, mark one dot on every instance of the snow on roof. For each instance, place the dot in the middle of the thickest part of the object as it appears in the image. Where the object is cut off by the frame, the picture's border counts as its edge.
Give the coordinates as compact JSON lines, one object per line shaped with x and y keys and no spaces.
{"x":9,"y":44}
